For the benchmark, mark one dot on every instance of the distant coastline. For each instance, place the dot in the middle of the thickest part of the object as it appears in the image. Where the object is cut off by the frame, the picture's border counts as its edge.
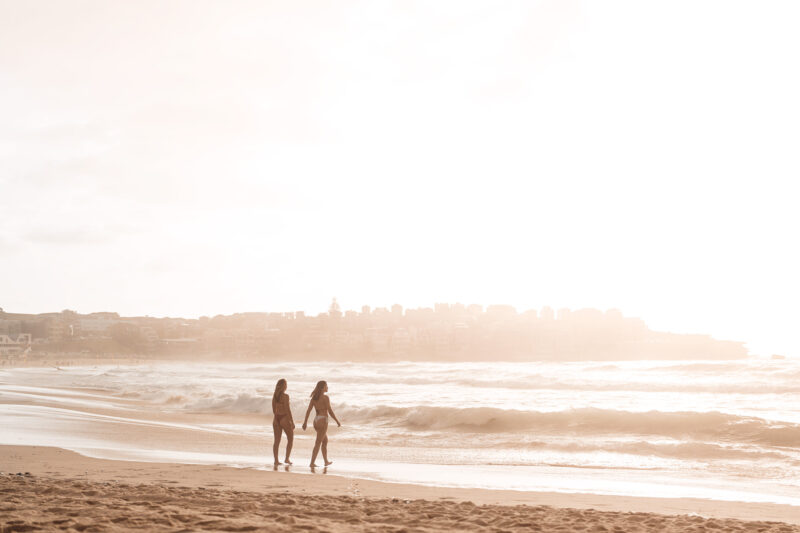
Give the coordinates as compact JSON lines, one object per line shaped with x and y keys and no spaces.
{"x":445,"y":332}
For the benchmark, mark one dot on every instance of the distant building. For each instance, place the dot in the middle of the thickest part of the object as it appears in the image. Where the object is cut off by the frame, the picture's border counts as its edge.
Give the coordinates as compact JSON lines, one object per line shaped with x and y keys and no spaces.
{"x":501,"y":311}
{"x":10,"y":327}
{"x":57,"y":330}
{"x":149,"y":336}
{"x":96,"y":326}
{"x":401,"y":341}
{"x":378,"y":340}
{"x":15,"y":344}
{"x":475,"y":309}
{"x":531,"y":314}
{"x":441,"y":308}
{"x":335,"y":311}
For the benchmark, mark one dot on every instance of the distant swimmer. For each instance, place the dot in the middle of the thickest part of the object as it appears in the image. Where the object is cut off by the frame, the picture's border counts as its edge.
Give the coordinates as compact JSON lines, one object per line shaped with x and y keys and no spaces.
{"x":282,"y":421}
{"x":322,"y":404}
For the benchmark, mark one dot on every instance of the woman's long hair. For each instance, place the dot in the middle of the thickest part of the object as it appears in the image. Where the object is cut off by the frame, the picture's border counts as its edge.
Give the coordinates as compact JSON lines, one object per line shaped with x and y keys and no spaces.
{"x":318,"y":390}
{"x":280,"y":386}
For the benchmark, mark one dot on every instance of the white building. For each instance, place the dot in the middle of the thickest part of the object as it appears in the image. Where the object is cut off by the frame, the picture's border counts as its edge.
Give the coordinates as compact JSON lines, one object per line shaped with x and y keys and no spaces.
{"x":15,"y":344}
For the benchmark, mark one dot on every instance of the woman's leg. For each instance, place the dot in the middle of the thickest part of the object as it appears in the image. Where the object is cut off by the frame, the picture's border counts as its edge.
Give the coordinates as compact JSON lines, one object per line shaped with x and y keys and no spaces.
{"x":325,"y":450}
{"x":322,"y":428}
{"x":276,"y":430}
{"x":289,"y":442}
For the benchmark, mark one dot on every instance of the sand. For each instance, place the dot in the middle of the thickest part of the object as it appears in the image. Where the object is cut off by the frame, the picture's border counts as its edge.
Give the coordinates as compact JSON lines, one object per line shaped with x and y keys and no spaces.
{"x":46,"y":488}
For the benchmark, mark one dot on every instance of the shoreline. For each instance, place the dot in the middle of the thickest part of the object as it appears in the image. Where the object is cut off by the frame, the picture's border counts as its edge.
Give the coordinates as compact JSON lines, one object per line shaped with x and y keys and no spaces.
{"x":60,"y":465}
{"x":116,"y":427}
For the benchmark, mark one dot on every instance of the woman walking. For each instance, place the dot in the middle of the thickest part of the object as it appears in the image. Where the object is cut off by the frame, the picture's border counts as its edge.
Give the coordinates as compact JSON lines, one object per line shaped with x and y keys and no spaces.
{"x":282,"y":422}
{"x":322,"y":404}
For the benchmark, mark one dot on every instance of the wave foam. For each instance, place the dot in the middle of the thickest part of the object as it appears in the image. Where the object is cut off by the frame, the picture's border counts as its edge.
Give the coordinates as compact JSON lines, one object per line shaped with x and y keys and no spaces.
{"x":713,"y":426}
{"x":230,"y":403}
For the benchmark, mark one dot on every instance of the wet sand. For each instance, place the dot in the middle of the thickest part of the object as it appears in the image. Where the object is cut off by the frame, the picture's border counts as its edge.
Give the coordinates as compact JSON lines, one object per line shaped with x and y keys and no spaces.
{"x":66,"y":491}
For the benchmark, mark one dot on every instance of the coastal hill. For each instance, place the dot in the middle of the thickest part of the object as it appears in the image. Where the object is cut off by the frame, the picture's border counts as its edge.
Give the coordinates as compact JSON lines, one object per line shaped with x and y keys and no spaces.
{"x":445,"y":332}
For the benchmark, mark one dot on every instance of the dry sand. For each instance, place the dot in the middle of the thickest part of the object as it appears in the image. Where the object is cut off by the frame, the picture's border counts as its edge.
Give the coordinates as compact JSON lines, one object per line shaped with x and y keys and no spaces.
{"x":65,"y":491}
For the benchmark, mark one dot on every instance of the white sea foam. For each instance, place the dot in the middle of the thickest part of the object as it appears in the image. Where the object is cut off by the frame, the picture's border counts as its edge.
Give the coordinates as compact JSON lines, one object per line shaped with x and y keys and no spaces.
{"x":733,"y":420}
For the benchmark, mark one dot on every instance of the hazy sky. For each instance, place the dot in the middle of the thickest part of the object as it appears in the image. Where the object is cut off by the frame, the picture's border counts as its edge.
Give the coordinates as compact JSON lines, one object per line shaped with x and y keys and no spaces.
{"x":189,"y":158}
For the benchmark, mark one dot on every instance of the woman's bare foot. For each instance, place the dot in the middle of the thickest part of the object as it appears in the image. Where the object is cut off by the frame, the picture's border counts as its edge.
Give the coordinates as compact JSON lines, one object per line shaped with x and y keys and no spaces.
{"x":328,"y":463}
{"x":277,"y":463}
{"x":287,"y":461}
{"x":313,"y":465}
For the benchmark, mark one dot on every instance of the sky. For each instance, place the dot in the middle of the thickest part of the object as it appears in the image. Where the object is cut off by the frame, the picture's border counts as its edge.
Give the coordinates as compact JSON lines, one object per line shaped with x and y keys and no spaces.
{"x":191,"y":158}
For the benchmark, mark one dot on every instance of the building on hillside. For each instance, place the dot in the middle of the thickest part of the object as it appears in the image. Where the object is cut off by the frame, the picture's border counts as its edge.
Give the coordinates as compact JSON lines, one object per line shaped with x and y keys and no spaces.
{"x":378,"y":340}
{"x":56,"y":330}
{"x":95,"y":327}
{"x":149,"y":337}
{"x":10,"y":327}
{"x":335,"y":310}
{"x":401,"y":341}
{"x":15,"y":345}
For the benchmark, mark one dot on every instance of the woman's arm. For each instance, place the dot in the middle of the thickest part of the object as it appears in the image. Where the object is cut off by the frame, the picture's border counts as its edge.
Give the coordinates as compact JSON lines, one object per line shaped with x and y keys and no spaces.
{"x":308,"y":412}
{"x":330,"y":410}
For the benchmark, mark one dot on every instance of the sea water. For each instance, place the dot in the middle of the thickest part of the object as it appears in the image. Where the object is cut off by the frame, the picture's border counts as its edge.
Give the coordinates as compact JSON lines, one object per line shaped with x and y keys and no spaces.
{"x":708,"y":429}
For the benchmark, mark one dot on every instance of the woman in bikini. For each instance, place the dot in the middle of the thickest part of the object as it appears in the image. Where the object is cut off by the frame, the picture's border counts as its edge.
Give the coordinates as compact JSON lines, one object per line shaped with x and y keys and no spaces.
{"x":282,"y":421}
{"x":320,"y":402}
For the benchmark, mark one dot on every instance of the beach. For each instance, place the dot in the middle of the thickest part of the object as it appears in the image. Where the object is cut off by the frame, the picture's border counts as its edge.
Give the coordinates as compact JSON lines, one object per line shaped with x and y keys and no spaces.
{"x":47,"y":488}
{"x":686,"y":429}
{"x":186,"y":447}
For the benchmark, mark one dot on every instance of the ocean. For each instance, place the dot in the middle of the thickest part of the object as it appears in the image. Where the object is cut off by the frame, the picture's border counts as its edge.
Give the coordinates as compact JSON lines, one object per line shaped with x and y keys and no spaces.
{"x":726,"y":430}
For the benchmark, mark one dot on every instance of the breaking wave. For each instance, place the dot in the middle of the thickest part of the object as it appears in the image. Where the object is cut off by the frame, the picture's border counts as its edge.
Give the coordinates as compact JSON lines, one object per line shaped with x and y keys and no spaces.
{"x":714,"y":426}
